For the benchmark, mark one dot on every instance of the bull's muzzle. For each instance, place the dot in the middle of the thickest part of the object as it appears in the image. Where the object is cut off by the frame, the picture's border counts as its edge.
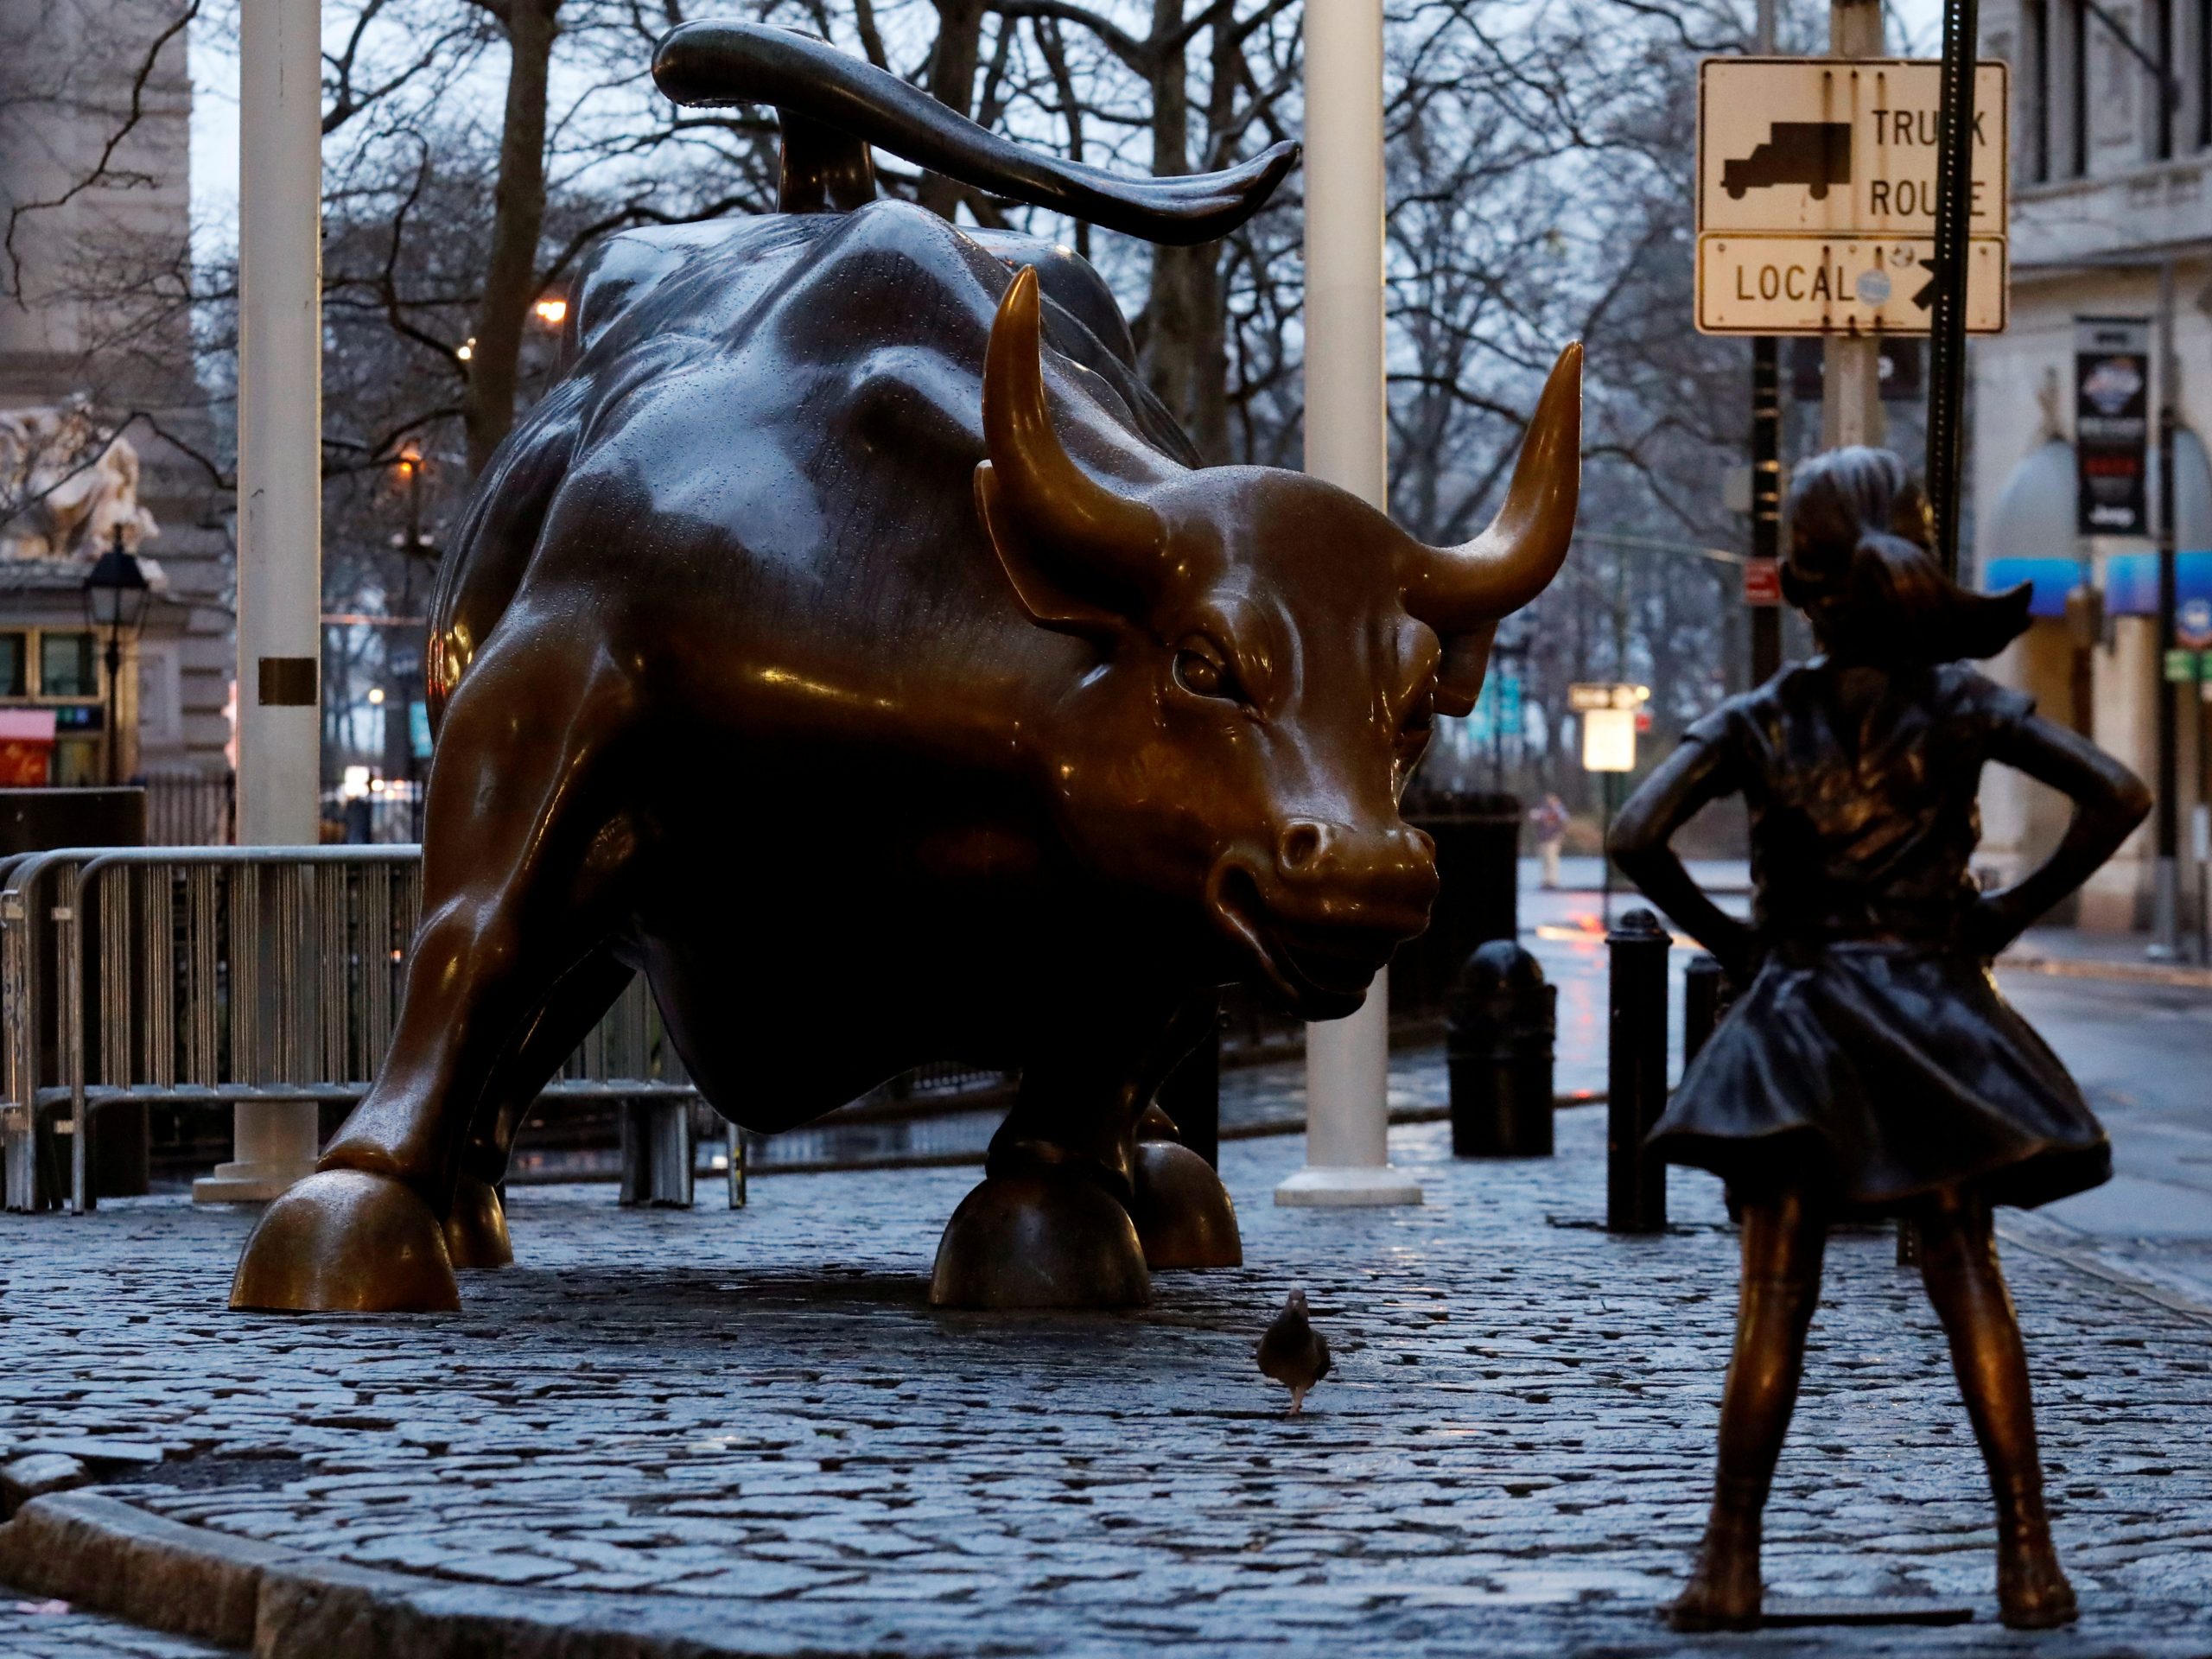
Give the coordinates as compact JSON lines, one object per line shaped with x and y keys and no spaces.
{"x":1327,"y":907}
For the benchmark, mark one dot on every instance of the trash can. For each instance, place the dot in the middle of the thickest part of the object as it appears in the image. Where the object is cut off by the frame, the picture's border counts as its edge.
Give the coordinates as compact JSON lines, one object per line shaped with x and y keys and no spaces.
{"x":1478,"y":872}
{"x":1500,"y":1020}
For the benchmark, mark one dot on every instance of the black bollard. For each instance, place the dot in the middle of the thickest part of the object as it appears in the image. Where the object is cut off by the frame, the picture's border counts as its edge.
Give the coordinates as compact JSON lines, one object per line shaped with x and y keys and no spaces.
{"x":1191,"y":1095}
{"x":1499,"y":1021}
{"x":1636,"y":1073}
{"x":1706,"y":997}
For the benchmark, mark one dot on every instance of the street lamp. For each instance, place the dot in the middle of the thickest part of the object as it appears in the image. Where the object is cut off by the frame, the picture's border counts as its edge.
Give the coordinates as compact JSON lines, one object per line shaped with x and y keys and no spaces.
{"x":115,"y":599}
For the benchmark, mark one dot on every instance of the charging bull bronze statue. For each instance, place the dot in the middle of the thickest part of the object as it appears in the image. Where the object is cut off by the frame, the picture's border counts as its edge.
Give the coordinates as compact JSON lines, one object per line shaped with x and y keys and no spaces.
{"x":850,"y":643}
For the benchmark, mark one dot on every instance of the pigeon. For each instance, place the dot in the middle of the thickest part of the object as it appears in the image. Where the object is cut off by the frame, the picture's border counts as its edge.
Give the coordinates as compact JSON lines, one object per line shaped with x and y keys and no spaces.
{"x":1293,"y":1352}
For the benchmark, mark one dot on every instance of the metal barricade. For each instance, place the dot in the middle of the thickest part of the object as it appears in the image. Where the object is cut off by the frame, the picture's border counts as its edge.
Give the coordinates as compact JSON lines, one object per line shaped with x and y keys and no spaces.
{"x":206,"y":975}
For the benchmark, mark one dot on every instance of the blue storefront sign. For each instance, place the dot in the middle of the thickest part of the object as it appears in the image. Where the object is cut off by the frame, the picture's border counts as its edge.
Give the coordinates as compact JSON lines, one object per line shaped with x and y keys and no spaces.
{"x":2131,"y":581}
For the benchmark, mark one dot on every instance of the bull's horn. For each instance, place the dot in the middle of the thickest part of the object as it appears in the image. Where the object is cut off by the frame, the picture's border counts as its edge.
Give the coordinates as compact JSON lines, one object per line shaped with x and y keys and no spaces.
{"x":1069,"y":518}
{"x":1454,"y":589}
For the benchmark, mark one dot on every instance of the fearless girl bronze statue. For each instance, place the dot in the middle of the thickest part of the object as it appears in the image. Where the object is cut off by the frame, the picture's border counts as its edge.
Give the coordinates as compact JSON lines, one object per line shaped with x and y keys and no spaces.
{"x":1869,"y":1066}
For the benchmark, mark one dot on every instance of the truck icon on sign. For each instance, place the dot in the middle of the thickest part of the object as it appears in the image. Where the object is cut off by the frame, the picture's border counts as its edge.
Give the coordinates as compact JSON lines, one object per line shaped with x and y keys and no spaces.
{"x":1816,"y":154}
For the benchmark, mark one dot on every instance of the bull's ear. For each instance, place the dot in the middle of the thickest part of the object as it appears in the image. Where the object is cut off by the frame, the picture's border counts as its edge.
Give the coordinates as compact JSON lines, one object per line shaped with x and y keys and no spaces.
{"x":1049,"y":603}
{"x":1459,"y":676}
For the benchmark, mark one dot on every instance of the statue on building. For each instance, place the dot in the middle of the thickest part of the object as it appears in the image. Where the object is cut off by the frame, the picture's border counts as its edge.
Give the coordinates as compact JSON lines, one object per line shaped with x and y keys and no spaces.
{"x":68,"y":487}
{"x":1869,"y":1066}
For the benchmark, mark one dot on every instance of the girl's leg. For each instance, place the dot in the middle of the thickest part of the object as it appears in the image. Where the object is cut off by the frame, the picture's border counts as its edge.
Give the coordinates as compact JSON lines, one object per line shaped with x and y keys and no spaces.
{"x":1783,"y":1240}
{"x":1958,"y":1259}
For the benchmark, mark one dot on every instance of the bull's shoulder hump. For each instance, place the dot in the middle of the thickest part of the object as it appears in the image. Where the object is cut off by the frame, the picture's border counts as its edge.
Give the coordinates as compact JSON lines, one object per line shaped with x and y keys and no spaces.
{"x":623,"y":273}
{"x":896,"y":251}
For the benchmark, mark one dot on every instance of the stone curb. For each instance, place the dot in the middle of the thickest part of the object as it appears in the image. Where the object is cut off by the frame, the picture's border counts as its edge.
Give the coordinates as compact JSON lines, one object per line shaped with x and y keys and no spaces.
{"x":2126,"y":972}
{"x":102,"y":1553}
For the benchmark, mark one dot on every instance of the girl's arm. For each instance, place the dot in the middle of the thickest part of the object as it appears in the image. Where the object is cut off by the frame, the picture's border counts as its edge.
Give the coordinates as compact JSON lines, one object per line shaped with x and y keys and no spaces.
{"x":2109,"y":801}
{"x":1695,"y":774}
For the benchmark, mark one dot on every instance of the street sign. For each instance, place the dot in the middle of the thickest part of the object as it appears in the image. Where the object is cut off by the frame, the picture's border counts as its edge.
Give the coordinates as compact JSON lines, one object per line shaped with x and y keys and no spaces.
{"x":1817,"y":196}
{"x":1828,"y":285}
{"x":2193,"y":624}
{"x":1509,"y":704}
{"x":1762,"y":582}
{"x":1838,"y":147}
{"x":2183,"y":666}
{"x":1609,"y":740}
{"x":1586,"y":695}
{"x":2111,"y":425}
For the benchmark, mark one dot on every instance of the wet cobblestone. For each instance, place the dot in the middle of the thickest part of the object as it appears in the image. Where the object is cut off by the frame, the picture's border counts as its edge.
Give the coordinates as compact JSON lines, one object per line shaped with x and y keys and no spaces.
{"x":53,"y":1629}
{"x":756,"y":1412}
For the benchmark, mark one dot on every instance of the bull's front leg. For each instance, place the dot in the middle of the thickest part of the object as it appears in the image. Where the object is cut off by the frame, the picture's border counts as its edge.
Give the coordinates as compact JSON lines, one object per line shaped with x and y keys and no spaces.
{"x":476,"y":1221}
{"x":526,"y":854}
{"x":1050,"y":1225}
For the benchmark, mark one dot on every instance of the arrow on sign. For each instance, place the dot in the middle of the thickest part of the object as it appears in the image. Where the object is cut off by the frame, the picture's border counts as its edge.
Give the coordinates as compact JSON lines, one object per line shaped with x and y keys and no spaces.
{"x":1926,"y":298}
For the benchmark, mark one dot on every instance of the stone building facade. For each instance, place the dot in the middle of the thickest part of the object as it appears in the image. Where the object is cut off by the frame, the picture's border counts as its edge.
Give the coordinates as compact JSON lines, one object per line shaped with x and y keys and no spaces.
{"x":2111,"y":182}
{"x":93,"y":326}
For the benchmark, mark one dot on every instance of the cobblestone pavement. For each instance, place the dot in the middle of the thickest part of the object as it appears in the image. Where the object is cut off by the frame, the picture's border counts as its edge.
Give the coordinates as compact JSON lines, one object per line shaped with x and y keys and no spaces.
{"x":53,"y":1629}
{"x":753,"y":1417}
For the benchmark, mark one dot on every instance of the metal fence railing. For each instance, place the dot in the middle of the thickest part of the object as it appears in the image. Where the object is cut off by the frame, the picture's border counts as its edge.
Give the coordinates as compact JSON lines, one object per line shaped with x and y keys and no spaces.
{"x":185,"y":975}
{"x":191,"y":808}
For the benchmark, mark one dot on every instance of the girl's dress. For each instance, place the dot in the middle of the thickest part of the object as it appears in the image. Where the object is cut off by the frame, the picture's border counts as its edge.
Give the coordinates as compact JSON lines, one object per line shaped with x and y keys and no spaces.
{"x":1873,"y":1059}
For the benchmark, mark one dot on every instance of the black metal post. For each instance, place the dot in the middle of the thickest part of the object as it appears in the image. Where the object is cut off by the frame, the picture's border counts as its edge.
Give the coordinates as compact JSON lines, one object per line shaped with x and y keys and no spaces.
{"x":2166,"y":875}
{"x":1947,"y":344}
{"x":114,"y":732}
{"x":1191,"y":1095}
{"x":1635,"y":1074}
{"x":1766,"y":497}
{"x":1705,"y":997}
{"x":1606,"y":850}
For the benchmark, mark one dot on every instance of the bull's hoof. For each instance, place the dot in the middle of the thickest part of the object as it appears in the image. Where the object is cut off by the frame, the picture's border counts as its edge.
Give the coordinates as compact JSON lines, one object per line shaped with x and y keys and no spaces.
{"x":348,"y":1241}
{"x":1183,"y":1214}
{"x":476,"y":1227}
{"x":1039,"y":1240}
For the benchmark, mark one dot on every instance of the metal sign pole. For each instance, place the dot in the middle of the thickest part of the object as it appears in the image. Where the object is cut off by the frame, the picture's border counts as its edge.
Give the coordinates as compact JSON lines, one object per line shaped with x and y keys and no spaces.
{"x":1766,"y":461}
{"x":2165,"y":898}
{"x":1851,"y":379}
{"x":1947,"y":353}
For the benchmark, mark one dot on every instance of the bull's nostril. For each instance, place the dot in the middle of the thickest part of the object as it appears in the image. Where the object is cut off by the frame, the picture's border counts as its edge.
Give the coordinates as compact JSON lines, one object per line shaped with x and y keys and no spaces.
{"x":1299,"y":846}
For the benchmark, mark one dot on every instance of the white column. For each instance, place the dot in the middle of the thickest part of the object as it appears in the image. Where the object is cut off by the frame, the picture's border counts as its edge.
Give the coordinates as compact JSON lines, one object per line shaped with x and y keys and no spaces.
{"x":1347,"y":442}
{"x":280,"y":497}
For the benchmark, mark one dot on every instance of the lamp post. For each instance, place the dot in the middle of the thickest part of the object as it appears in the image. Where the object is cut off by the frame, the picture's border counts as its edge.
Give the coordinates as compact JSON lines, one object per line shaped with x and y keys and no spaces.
{"x":114,"y":603}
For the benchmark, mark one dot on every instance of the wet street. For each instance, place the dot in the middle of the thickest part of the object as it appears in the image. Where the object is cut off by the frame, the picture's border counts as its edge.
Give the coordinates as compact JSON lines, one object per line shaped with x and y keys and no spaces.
{"x":745,"y":1432}
{"x":2140,"y":1049}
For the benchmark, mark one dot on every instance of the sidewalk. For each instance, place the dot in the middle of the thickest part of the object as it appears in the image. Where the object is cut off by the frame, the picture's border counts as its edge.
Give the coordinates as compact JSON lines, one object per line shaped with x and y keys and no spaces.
{"x":744,"y":1431}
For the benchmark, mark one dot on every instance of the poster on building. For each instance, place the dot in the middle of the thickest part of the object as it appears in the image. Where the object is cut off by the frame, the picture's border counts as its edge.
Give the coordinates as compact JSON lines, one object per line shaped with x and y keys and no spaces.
{"x":2111,"y":425}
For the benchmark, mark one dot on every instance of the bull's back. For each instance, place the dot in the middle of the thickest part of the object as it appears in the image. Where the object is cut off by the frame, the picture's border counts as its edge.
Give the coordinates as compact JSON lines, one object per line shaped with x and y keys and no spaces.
{"x":769,"y":427}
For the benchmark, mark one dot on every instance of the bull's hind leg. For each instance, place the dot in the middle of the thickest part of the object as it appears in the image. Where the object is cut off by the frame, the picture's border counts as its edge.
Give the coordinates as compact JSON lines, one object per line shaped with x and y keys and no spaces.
{"x":476,"y":1224}
{"x":525,"y":848}
{"x":1050,"y":1226}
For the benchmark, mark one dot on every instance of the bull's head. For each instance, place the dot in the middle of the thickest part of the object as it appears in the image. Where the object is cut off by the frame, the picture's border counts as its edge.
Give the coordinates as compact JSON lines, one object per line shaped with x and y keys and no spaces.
{"x":1273,"y":651}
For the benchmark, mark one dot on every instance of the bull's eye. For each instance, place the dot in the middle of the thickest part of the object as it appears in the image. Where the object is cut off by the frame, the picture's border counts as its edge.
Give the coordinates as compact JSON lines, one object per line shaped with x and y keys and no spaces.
{"x":1203,"y":674}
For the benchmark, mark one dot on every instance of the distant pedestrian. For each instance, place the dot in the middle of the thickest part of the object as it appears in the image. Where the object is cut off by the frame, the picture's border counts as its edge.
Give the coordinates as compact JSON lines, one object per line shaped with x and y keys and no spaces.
{"x":1548,"y":817}
{"x":1869,"y":1066}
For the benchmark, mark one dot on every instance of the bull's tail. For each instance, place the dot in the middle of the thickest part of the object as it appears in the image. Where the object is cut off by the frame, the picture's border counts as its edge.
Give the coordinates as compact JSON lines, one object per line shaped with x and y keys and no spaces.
{"x":833,"y":106}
